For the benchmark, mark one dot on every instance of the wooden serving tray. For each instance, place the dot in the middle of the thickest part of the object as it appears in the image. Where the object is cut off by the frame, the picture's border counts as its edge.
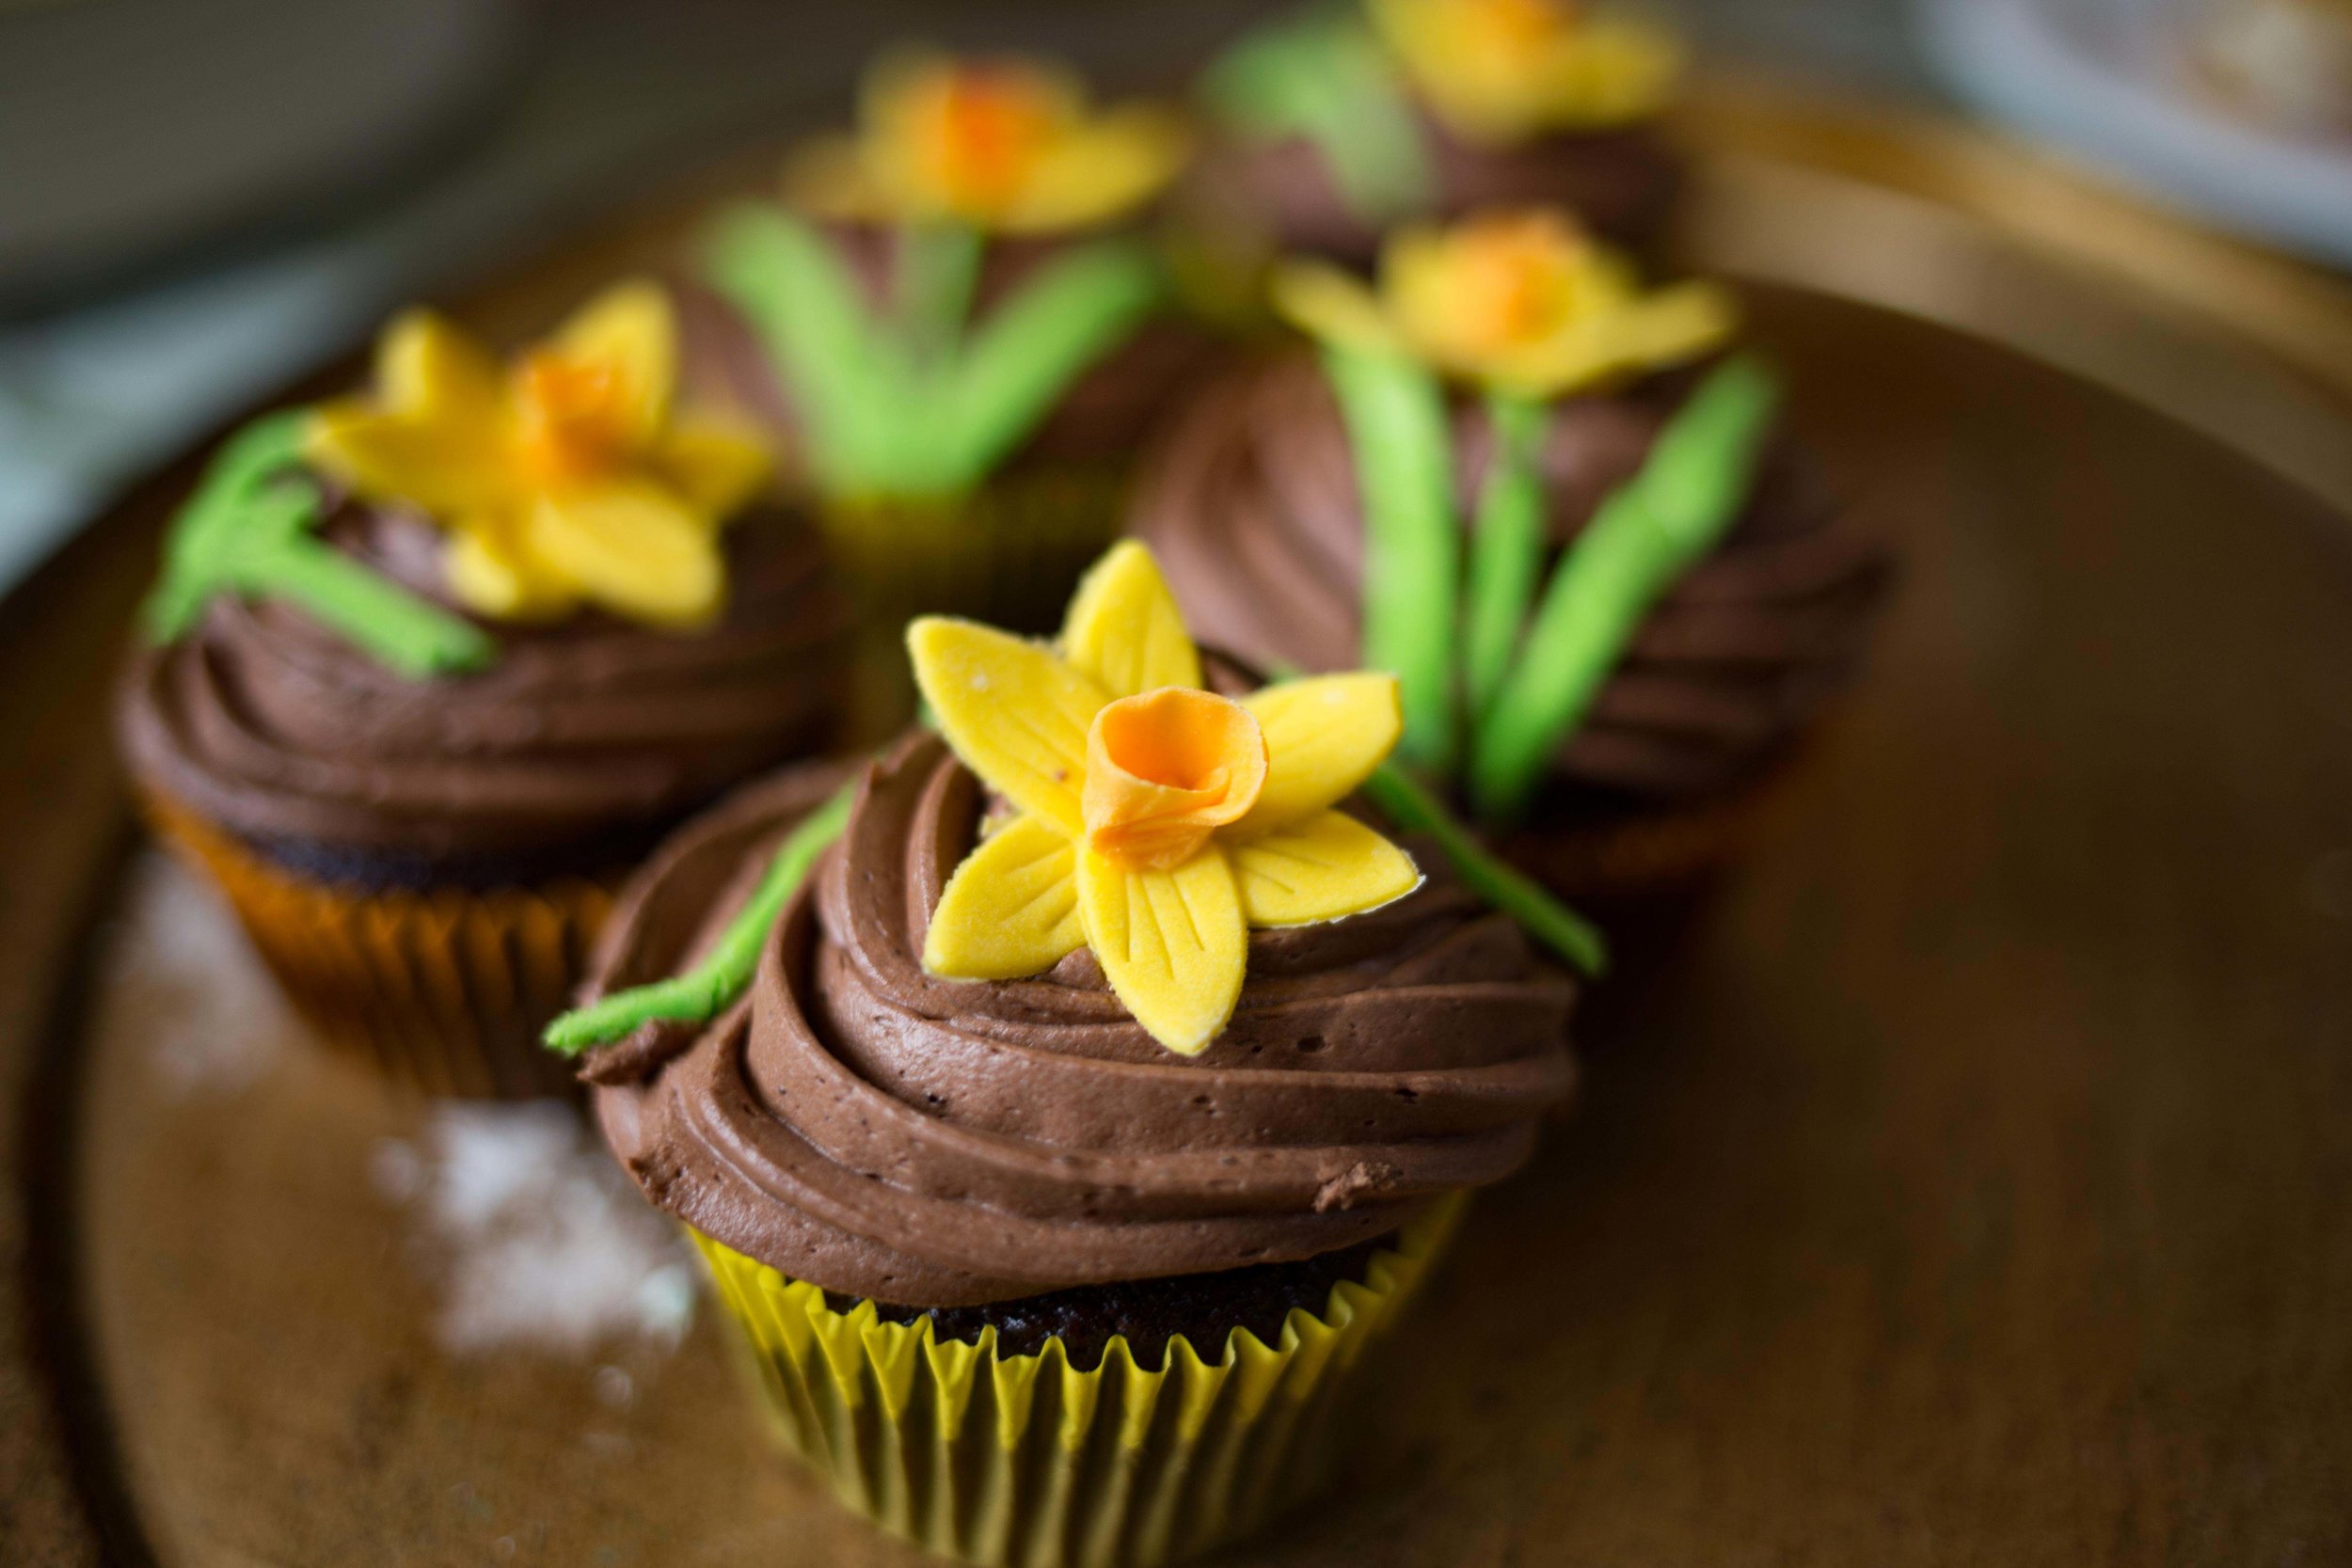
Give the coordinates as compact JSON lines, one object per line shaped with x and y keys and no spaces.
{"x":1968,"y":1180}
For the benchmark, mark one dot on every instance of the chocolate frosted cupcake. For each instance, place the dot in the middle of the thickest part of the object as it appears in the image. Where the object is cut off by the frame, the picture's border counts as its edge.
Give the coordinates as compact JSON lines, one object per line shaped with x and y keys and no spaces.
{"x":426,"y":675}
{"x":1336,"y":125}
{"x":1104,"y":1091}
{"x":958,"y":318}
{"x":1617,"y":600}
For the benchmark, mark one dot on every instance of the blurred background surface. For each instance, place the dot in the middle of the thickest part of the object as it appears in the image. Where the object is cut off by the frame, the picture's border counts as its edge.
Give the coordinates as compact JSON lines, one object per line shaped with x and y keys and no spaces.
{"x":200,"y":198}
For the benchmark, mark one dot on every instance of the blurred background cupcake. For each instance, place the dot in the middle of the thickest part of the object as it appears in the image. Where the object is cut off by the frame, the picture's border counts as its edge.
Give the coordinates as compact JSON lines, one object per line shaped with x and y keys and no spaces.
{"x":1337,"y":122}
{"x":1098,"y":1101}
{"x":959,"y":321}
{"x":2288,"y":61}
{"x":430,"y":667}
{"x":1532,"y":486}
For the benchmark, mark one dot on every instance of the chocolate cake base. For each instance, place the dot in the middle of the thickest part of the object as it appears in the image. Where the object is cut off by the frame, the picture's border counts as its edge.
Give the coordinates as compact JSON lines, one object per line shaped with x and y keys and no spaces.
{"x":374,"y":868}
{"x":1204,"y":1307}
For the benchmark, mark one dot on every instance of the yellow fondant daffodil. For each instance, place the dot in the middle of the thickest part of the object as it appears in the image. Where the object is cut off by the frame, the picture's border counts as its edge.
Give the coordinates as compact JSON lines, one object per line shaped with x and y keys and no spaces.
{"x":1499,"y":72}
{"x":1524,"y":303}
{"x":1002,"y":145}
{"x":1154,"y":823}
{"x":564,"y":478}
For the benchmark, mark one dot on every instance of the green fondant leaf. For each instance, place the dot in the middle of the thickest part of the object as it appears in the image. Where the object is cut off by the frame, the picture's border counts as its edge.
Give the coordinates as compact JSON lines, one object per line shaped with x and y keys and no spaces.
{"x":1642,"y":538}
{"x":1323,"y":78}
{"x":707,"y":989}
{"x":1416,"y":810}
{"x":1033,"y":345}
{"x":1403,"y":446}
{"x":248,"y":531}
{"x":918,"y":403}
{"x":1506,"y":552}
{"x":405,"y":631}
{"x":938,"y":269}
{"x":850,"y":380}
{"x":251,"y":486}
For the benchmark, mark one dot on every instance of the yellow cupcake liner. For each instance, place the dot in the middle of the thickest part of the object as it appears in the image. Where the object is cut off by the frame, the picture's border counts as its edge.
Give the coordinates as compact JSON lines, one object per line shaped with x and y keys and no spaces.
{"x":1025,"y":1461}
{"x":443,"y":991}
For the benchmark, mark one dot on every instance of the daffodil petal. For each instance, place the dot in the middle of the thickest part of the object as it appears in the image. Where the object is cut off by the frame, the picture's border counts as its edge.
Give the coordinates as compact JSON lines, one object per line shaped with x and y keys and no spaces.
{"x":1671,"y":327}
{"x":715,"y":462}
{"x":1011,"y":910}
{"x":1330,"y":306}
{"x":490,"y":573}
{"x":1324,"y":737}
{"x":1015,"y":714}
{"x":1678,"y":323}
{"x":1570,"y":362}
{"x":1173,"y":944}
{"x":633,"y":547}
{"x":1418,"y":282}
{"x":1123,"y":627}
{"x":632,"y":328}
{"x":1322,"y":868}
{"x":427,"y":369}
{"x":445,"y":467}
{"x":1620,"y":70}
{"x":1101,"y":171}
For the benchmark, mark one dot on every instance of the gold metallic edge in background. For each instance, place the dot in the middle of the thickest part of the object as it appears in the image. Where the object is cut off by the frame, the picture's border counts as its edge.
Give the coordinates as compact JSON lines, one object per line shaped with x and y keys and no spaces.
{"x":1934,"y":220}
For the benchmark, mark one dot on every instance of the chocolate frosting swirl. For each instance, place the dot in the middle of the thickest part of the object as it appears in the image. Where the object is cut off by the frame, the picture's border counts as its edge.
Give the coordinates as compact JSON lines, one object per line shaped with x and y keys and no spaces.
{"x":585,"y":739}
{"x":1253,"y":510}
{"x":856,"y":1122}
{"x":1621,"y":182}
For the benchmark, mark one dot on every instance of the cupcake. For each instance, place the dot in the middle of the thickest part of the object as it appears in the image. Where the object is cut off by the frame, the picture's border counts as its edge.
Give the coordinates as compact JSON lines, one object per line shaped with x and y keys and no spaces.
{"x":959,"y":317}
{"x":2285,"y":62}
{"x":1337,"y":124}
{"x":1062,"y":1141}
{"x":429,"y":668}
{"x":1541,"y":493}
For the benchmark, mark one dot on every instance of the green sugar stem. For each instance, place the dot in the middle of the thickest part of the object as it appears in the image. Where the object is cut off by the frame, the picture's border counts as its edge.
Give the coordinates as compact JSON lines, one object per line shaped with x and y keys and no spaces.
{"x":1403,"y":447}
{"x":248,"y":531}
{"x":255,"y":468}
{"x":711,"y":986}
{"x":377,"y":614}
{"x":921,"y":401}
{"x":937,"y":275}
{"x":1639,"y":540}
{"x":1019,"y":360}
{"x":1324,"y":79}
{"x":1506,"y":549}
{"x":850,"y":380}
{"x":1416,"y":810}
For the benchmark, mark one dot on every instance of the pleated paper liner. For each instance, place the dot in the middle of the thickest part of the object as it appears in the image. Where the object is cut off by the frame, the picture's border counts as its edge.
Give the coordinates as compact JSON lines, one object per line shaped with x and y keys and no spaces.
{"x":1027,"y":1462}
{"x":443,"y":991}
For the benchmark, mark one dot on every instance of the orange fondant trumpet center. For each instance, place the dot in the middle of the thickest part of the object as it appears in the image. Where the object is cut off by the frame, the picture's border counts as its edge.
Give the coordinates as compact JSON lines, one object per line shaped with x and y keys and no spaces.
{"x":1513,"y":282}
{"x":1165,"y":769}
{"x":986,"y":128}
{"x":572,"y":417}
{"x":1510,"y":30}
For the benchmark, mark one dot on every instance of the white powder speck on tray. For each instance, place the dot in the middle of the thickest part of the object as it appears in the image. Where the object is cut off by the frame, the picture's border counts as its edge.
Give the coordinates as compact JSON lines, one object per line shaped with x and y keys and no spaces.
{"x":537,"y":1239}
{"x":212,"y":1020}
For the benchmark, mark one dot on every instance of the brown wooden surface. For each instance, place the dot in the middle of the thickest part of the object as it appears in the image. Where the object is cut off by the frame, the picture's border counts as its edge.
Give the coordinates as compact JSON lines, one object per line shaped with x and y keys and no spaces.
{"x":1969,"y":1182}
